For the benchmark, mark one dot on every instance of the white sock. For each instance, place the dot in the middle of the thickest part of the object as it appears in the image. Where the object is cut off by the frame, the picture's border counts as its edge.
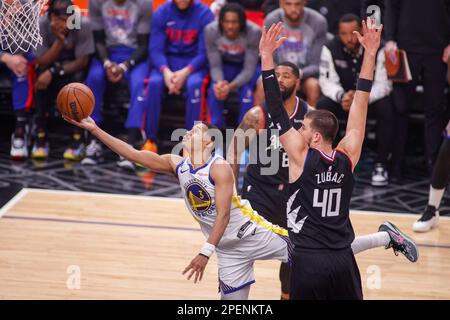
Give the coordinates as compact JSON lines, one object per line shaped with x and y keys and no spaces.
{"x":241,"y":294}
{"x":370,"y":241}
{"x":435,"y":197}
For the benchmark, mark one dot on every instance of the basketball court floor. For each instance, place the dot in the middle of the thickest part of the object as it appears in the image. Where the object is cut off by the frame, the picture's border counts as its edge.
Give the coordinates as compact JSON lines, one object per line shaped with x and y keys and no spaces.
{"x":135,"y":247}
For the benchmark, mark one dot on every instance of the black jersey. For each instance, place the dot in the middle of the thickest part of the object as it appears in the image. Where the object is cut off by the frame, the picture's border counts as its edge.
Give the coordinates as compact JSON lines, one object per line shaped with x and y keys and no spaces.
{"x":319,"y":203}
{"x":267,"y":142}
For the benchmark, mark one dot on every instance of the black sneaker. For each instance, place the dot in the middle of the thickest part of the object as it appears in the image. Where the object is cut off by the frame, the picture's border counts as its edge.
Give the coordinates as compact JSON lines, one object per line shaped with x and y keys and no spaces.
{"x":428,"y":220}
{"x":379,"y":176}
{"x":94,"y":153}
{"x":400,"y":242}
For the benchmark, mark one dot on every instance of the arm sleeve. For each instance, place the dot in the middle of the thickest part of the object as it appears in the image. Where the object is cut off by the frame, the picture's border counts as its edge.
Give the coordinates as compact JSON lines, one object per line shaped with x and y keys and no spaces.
{"x":250,"y":60}
{"x":100,"y":45}
{"x":312,"y":69}
{"x":143,"y":33}
{"x":140,"y":54}
{"x":200,"y":59}
{"x":159,"y":40}
{"x":391,"y":13}
{"x":274,"y":101}
{"x":329,"y":80}
{"x":382,"y":86}
{"x":214,"y":56}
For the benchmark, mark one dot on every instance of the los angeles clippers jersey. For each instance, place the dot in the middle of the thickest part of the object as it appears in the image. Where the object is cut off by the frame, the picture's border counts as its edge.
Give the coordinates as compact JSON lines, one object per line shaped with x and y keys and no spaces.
{"x":268,"y":142}
{"x":319,"y":203}
{"x":199,"y":194}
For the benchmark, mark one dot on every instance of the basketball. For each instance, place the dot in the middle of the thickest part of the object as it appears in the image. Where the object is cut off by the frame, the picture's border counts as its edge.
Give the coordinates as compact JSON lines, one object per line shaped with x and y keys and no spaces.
{"x":75,"y":101}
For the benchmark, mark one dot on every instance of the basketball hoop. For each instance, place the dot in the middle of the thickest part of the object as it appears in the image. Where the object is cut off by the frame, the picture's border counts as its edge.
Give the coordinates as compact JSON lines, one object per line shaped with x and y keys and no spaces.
{"x":19,"y":24}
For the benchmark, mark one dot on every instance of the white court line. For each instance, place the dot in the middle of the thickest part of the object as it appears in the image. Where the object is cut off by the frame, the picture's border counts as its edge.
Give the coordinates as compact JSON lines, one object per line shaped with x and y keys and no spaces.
{"x":11,"y":203}
{"x":130,"y":196}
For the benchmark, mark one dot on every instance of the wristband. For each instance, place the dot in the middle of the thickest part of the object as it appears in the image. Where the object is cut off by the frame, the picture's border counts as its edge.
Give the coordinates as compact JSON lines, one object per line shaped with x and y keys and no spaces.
{"x":107,"y":63}
{"x":364,"y":85}
{"x":207,"y":250}
{"x":203,"y":255}
{"x":123,"y":66}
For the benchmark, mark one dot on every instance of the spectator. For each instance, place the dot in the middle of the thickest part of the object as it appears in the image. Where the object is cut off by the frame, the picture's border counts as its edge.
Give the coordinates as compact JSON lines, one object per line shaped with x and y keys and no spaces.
{"x":18,"y":69}
{"x":422,"y":29}
{"x":305,"y":30}
{"x":121,"y":32}
{"x":179,"y":58}
{"x":341,"y":59}
{"x":61,"y":59}
{"x":333,"y":10}
{"x":255,"y":10}
{"x":232,"y":48}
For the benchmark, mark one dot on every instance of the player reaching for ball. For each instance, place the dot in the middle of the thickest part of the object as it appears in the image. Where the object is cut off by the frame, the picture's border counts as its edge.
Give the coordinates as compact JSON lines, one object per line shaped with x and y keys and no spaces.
{"x":237,"y":233}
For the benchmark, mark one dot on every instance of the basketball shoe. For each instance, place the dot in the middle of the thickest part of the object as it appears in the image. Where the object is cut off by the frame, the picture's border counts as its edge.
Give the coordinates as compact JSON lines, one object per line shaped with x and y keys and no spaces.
{"x":19,"y":144}
{"x":428,"y":220}
{"x":94,"y":153}
{"x":41,"y":147}
{"x":400,"y":242}
{"x":75,"y":151}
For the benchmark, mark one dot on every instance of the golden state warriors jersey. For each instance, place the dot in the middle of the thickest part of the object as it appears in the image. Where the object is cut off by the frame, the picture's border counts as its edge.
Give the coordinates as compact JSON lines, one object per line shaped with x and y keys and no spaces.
{"x":199,"y":194}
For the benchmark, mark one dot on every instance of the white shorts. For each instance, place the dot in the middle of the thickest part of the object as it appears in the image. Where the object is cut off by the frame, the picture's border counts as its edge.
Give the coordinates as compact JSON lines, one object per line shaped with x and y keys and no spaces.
{"x":236,"y":264}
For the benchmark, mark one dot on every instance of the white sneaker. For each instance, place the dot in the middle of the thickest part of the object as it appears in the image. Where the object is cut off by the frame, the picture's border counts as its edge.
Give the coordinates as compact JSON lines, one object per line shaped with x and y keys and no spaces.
{"x":126,"y":164}
{"x":19,"y":147}
{"x":379,"y":176}
{"x":427,"y":221}
{"x":93,"y":153}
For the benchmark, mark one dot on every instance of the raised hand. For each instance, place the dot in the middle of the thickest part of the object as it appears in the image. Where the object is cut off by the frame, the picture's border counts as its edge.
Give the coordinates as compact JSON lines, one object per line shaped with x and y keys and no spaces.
{"x":86,"y":123}
{"x":270,"y":39}
{"x":371,"y":37}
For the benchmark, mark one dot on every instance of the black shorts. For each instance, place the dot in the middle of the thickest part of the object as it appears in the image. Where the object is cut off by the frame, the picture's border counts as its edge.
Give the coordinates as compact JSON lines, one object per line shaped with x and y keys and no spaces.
{"x":268,"y":200}
{"x":325,"y":275}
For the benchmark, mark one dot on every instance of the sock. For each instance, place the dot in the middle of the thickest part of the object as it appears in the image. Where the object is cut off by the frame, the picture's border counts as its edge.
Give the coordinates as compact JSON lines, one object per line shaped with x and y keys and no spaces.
{"x":370,"y":241}
{"x":435,"y":197}
{"x":21,"y":122}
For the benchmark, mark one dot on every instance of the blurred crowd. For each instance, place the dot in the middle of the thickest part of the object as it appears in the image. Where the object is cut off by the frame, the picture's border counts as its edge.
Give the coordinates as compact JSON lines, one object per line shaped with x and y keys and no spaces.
{"x":208,"y":54}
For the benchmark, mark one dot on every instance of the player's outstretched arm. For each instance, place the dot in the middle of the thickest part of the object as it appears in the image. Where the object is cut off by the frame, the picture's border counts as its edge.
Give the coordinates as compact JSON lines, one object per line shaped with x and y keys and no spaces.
{"x":222,"y":176}
{"x":247,"y":130}
{"x":352,"y":143}
{"x":151,"y":160}
{"x":292,"y":141}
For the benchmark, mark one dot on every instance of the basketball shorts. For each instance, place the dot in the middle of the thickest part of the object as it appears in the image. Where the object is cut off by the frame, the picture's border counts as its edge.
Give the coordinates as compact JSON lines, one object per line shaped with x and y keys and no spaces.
{"x":325,"y":275}
{"x":236,"y":264}
{"x":268,"y":200}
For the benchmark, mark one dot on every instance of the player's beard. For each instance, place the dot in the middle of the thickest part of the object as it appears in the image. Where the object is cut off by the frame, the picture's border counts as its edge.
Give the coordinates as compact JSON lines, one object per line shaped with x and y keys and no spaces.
{"x":287,"y":93}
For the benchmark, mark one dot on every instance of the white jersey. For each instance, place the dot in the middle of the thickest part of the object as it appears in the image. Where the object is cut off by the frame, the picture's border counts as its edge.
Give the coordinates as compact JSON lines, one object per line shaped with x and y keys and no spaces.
{"x":199,"y":194}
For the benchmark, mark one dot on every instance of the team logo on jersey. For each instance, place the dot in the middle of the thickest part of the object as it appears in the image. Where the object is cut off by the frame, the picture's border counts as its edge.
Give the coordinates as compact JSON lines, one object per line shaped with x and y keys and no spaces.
{"x":199,"y":199}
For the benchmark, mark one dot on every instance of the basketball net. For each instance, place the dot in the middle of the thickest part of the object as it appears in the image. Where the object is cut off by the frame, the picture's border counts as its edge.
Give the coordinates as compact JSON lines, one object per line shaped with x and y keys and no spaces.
{"x":19,"y":24}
